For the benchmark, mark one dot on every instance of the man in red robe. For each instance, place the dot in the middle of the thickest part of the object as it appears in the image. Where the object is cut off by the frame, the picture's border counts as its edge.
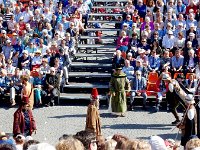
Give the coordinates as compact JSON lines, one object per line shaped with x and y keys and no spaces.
{"x":24,"y":122}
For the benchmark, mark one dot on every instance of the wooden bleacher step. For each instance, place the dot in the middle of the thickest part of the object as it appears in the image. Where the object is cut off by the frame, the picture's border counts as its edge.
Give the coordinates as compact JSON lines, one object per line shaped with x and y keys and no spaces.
{"x":80,"y":96}
{"x":110,"y":1}
{"x":95,"y":37}
{"x":89,"y":75}
{"x":87,"y":85}
{"x":104,"y":14}
{"x":101,"y":29}
{"x":104,"y":21}
{"x":96,"y":46}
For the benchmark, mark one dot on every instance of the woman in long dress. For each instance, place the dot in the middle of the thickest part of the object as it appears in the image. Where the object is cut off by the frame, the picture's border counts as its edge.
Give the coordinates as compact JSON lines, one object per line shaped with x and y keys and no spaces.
{"x":27,"y":90}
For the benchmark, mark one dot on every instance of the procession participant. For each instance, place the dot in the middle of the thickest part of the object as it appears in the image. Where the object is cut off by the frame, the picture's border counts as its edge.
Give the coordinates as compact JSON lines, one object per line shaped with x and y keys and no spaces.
{"x":179,"y":92}
{"x":93,"y":118}
{"x":138,"y":88}
{"x":27,"y":90}
{"x":119,"y":86}
{"x":162,"y":89}
{"x":188,"y":125}
{"x":24,"y":122}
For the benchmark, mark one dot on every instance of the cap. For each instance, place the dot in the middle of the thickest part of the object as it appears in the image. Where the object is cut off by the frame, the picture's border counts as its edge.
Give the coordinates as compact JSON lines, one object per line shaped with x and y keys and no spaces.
{"x":94,"y":94}
{"x":38,"y":51}
{"x":2,"y":134}
{"x":19,"y":136}
{"x":25,"y":52}
{"x":140,"y":51}
{"x":125,"y":24}
{"x":118,"y":67}
{"x":191,"y":34}
{"x":3,"y":31}
{"x":180,"y":24}
{"x":166,"y":77}
{"x":170,"y":32}
{"x":8,"y":41}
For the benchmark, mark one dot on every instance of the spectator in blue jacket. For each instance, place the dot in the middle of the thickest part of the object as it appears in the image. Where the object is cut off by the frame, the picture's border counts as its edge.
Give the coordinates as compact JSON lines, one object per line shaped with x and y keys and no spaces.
{"x":141,"y":8}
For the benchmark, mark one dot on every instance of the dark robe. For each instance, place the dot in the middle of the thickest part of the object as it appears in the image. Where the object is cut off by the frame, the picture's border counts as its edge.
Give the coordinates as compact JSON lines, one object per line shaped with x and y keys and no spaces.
{"x":189,"y":127}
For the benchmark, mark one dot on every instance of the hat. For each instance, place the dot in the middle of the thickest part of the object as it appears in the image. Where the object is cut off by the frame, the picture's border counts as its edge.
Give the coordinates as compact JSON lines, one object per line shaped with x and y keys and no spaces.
{"x":94,"y":94}
{"x":21,"y":18}
{"x":3,"y":31}
{"x":140,"y":51}
{"x":192,"y":25}
{"x":191,"y":34}
{"x":157,"y":143}
{"x":19,"y":136}
{"x":8,"y":41}
{"x":2,"y":134}
{"x":45,"y":31}
{"x":134,"y":25}
{"x":38,"y":51}
{"x":166,"y":77}
{"x":25,"y":99}
{"x":25,"y":52}
{"x":139,"y":60}
{"x":53,"y":43}
{"x":170,"y":32}
{"x":180,"y":24}
{"x":52,"y":69}
{"x":125,"y":24}
{"x":189,"y":99}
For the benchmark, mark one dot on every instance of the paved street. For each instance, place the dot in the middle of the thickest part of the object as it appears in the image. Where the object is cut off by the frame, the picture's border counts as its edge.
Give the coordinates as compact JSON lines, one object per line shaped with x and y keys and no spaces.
{"x":52,"y":122}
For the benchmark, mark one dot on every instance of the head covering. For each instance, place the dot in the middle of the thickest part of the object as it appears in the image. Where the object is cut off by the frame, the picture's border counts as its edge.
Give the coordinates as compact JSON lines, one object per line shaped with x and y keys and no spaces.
{"x":25,"y":52}
{"x":38,"y":51}
{"x":2,"y":134}
{"x":8,"y":41}
{"x":140,"y":51}
{"x":191,"y":34}
{"x":19,"y":136}
{"x":166,"y":77}
{"x":118,"y":67}
{"x":94,"y":94}
{"x":157,"y":143}
{"x":3,"y":31}
{"x":170,"y":32}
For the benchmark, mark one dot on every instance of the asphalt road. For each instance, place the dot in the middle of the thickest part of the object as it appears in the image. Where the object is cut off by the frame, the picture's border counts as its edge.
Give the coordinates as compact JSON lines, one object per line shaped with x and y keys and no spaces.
{"x":53,"y":122}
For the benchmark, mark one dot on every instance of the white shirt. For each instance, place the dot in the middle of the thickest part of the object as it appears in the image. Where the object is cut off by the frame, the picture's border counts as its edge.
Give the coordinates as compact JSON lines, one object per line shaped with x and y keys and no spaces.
{"x":36,"y":60}
{"x":168,"y":42}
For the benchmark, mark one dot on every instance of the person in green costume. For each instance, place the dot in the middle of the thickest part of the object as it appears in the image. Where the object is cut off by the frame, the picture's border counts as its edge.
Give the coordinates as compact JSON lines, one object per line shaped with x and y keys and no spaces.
{"x":119,"y":88}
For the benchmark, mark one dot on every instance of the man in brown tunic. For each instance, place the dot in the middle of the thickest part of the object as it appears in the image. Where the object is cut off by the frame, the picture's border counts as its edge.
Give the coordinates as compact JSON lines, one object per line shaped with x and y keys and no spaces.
{"x":93,"y":118}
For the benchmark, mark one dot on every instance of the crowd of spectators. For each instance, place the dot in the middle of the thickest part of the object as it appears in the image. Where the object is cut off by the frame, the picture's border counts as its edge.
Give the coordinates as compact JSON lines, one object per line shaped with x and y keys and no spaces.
{"x":87,"y":140}
{"x":159,"y":35}
{"x":37,"y":38}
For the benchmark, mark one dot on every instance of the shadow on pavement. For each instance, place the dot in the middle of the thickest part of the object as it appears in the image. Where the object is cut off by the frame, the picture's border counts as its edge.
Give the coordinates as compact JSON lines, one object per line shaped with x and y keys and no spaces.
{"x":138,"y":126}
{"x":69,"y":116}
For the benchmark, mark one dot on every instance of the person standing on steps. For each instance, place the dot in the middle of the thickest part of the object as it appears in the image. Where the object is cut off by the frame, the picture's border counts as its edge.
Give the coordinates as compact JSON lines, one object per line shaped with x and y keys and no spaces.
{"x":119,"y":88}
{"x":93,"y":118}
